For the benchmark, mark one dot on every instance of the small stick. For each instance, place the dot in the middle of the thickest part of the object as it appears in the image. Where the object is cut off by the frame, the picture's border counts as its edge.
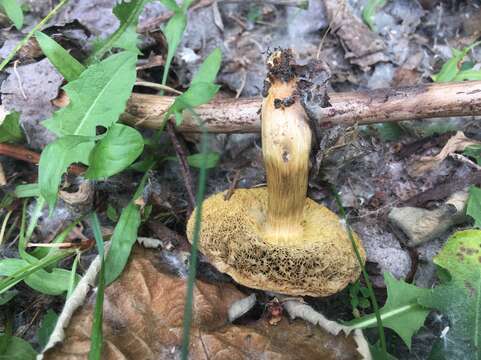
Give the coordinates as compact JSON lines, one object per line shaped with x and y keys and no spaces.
{"x":184,"y":166}
{"x":20,"y":153}
{"x":465,"y":160}
{"x":347,"y":108}
{"x":232,"y":186}
{"x":157,"y":86}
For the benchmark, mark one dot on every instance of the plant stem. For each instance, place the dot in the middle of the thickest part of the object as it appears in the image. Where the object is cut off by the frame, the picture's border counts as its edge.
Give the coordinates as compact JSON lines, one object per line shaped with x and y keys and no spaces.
{"x":375,"y":305}
{"x":31,"y":32}
{"x":195,"y":240}
{"x":184,"y":166}
{"x":158,"y":86}
{"x":109,"y":43}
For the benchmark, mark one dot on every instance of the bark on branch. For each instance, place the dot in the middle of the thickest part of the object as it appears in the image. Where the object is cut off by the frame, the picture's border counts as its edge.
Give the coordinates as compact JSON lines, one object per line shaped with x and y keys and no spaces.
{"x":364,"y":107}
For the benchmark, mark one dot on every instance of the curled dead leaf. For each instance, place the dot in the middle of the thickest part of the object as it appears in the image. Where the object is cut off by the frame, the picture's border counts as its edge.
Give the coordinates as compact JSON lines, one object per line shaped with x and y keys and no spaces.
{"x":143,"y":317}
{"x":83,"y":195}
{"x":458,"y":142}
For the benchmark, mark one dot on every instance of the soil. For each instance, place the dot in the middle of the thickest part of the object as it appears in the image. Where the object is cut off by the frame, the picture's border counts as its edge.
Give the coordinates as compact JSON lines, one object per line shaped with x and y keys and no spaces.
{"x":368,"y":165}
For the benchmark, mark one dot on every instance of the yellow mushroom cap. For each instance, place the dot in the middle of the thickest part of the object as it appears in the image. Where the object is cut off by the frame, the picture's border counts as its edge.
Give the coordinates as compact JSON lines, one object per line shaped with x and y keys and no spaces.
{"x":320,"y":262}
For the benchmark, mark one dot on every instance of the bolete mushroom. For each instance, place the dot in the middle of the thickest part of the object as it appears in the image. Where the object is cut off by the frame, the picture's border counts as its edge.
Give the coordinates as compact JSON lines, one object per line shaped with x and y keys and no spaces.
{"x":275,"y":238}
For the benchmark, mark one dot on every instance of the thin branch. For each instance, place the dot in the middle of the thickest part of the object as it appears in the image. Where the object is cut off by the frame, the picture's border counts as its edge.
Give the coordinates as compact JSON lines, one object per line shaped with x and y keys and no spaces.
{"x":20,"y":153}
{"x":184,"y":166}
{"x":156,"y":86}
{"x":348,"y":108}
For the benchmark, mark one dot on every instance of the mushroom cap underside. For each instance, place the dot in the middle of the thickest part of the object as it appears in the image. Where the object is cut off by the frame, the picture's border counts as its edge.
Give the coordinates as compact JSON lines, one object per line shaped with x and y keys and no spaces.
{"x":233,"y":239}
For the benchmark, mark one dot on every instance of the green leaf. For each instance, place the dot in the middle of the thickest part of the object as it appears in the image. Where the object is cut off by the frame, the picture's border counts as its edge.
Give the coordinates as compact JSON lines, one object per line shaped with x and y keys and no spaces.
{"x":65,"y":63}
{"x":7,"y":296}
{"x":125,"y":37}
{"x":46,"y":327}
{"x":54,"y":161}
{"x":378,"y":354}
{"x":186,"y":4}
{"x":197,"y":94}
{"x":460,"y":298}
{"x":116,"y":151}
{"x":112,"y":213}
{"x":401,"y":313}
{"x":470,"y":74}
{"x":451,"y":69}
{"x":474,"y":151}
{"x":208,"y":70}
{"x":97,"y":97}
{"x":173,"y":32}
{"x":473,"y":208}
{"x":369,"y":11}
{"x":128,"y":14}
{"x":123,"y":238}
{"x":196,"y":160}
{"x":55,"y":282}
{"x":171,"y":5}
{"x":17,"y":349}
{"x":389,"y":131}
{"x":10,"y":130}
{"x":14,"y":12}
{"x":27,"y":190}
{"x":201,"y":89}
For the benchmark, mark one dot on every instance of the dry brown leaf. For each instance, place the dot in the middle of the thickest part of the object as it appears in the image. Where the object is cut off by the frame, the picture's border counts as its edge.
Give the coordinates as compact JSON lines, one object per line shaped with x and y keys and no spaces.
{"x":363,"y":46}
{"x":143,"y":316}
{"x":458,"y":142}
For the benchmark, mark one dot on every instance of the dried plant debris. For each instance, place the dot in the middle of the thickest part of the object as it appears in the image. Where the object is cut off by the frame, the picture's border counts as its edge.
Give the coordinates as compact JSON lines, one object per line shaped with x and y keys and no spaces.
{"x":144,"y":313}
{"x":363,"y":47}
{"x":459,"y":142}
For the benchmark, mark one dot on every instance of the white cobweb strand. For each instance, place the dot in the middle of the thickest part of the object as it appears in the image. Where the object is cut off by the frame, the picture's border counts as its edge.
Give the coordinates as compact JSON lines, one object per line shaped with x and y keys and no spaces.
{"x":297,"y":309}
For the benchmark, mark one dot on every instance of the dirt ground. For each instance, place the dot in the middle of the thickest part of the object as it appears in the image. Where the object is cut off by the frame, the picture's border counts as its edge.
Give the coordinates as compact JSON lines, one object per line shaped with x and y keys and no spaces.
{"x":371,"y":166}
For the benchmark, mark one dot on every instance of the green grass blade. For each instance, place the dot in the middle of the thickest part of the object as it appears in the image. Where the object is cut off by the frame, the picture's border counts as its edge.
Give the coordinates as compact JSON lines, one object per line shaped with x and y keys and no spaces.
{"x":73,"y":275}
{"x":31,"y":32}
{"x":195,"y":239}
{"x":25,"y":235}
{"x":375,"y":305}
{"x":96,"y":338}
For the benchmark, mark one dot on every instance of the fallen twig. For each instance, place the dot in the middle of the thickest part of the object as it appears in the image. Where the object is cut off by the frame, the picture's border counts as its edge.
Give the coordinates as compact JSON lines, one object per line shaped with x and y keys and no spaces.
{"x":20,"y":153}
{"x":348,"y":108}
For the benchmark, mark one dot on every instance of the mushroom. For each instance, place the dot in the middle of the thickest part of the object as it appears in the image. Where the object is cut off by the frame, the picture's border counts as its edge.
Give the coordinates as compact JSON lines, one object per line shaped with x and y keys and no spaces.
{"x":275,"y":238}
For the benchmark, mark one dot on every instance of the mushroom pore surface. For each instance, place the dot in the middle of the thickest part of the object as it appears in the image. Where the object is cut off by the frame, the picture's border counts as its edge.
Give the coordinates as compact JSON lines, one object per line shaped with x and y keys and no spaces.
{"x":321,"y":263}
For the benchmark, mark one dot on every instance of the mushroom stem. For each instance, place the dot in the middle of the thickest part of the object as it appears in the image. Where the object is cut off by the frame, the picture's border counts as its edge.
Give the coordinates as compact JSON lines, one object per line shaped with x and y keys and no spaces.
{"x":286,"y":143}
